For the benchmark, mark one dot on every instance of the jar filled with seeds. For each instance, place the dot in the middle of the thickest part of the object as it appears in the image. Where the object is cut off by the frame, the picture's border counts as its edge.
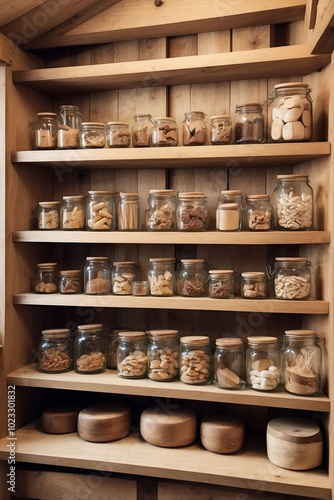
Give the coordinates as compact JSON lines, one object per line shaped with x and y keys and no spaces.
{"x":292,"y":280}
{"x":69,"y":125}
{"x":142,"y":131}
{"x":90,"y":349}
{"x":124,"y":273}
{"x":249,"y":124}
{"x":195,"y":360}
{"x":55,"y":351}
{"x":293,"y":203}
{"x":263,"y":363}
{"x":97,"y":276}
{"x":73,"y":213}
{"x":128,"y":212}
{"x":132,"y":360}
{"x":221,"y":129}
{"x":253,"y":285}
{"x":48,"y":215}
{"x":221,"y":284}
{"x":140,"y":287}
{"x":191,"y":278}
{"x":92,"y":135}
{"x":228,"y":217}
{"x":194,"y":129}
{"x":45,"y":278}
{"x":112,"y":344}
{"x":164,"y":132}
{"x":70,"y":281}
{"x":302,"y":360}
{"x":229,"y":364}
{"x":100,"y":211}
{"x":191,"y":212}
{"x":160,"y":216}
{"x":161,"y":276}
{"x":44,"y":131}
{"x":259,"y":212}
{"x":163,"y":355}
{"x":118,"y":135}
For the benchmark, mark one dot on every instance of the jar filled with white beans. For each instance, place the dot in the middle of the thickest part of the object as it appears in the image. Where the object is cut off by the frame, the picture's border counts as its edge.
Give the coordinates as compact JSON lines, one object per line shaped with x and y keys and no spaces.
{"x":292,"y":200}
{"x":292,"y":278}
{"x":132,"y":360}
{"x":263,"y":363}
{"x":195,"y":360}
{"x":163,"y":355}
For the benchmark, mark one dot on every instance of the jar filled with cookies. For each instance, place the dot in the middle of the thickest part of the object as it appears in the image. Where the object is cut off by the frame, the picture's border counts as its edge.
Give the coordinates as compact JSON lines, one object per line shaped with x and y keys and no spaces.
{"x":259,"y":212}
{"x":194,"y":129}
{"x":229,"y":364}
{"x":90,"y":349}
{"x":164,"y":132}
{"x":292,"y":200}
{"x":73,"y":213}
{"x":195,"y":360}
{"x":123,"y":275}
{"x":100,"y":211}
{"x":263,"y":363}
{"x":163,"y":355}
{"x":132,"y":360}
{"x":253,"y":285}
{"x":142,"y":131}
{"x":160,"y":215}
{"x":48,"y":215}
{"x":45,"y":279}
{"x":292,"y":279}
{"x":191,"y":211}
{"x":55,"y":351}
{"x":161,"y":276}
{"x":97,"y":276}
{"x":191,"y":279}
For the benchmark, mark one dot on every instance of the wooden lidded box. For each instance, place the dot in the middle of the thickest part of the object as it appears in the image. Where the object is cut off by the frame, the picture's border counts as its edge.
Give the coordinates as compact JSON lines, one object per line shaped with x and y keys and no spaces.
{"x":104,"y":422}
{"x":221,"y":434}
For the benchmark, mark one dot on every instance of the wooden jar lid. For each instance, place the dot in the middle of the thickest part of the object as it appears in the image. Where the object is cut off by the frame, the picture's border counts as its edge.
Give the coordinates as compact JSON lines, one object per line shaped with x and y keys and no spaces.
{"x":61,"y":419}
{"x":104,"y":422}
{"x":222,"y":434}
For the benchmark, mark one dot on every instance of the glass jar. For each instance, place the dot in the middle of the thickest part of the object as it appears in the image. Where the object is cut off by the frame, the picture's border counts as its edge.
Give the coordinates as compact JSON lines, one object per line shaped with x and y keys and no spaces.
{"x":229,"y":364}
{"x":132,"y":360}
{"x":249,"y":124}
{"x":233,"y":196}
{"x":48,"y":215}
{"x":221,"y":129}
{"x":164,"y":132}
{"x":253,"y":285}
{"x":55,"y":351}
{"x":140,"y":287}
{"x":263,"y":363}
{"x":194,"y":129}
{"x":292,"y":280}
{"x":69,"y":125}
{"x":112,"y":344}
{"x":45,"y":278}
{"x":191,"y":212}
{"x":44,"y":131}
{"x":221,"y":283}
{"x":97,"y":276}
{"x":73,"y":213}
{"x":291,"y":115}
{"x":100,"y":211}
{"x":161,"y":276}
{"x":124,"y":273}
{"x":142,"y":131}
{"x":70,"y":281}
{"x":160,"y":216}
{"x":228,"y":217}
{"x":302,"y":359}
{"x":293,"y":203}
{"x":118,"y":135}
{"x":90,"y":349}
{"x":195,"y":360}
{"x":191,"y":278}
{"x":259,"y":212}
{"x":129,"y":212}
{"x":163,"y":355}
{"x":92,"y":135}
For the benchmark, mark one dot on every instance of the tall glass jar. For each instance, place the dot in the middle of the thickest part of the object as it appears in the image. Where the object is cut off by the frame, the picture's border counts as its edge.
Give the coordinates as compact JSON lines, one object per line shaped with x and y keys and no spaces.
{"x":191,"y":212}
{"x":221,"y":284}
{"x":253,"y":285}
{"x":69,"y":125}
{"x":118,"y":135}
{"x":164,"y":132}
{"x":293,"y":203}
{"x":292,"y":279}
{"x":129,"y":212}
{"x":228,"y":217}
{"x":302,"y":359}
{"x":229,"y":370}
{"x":132,"y":360}
{"x":142,"y":131}
{"x":70,"y":281}
{"x":48,"y":215}
{"x":55,"y":351}
{"x":195,"y":360}
{"x":291,"y":114}
{"x":45,"y":279}
{"x":90,"y":349}
{"x":97,"y":276}
{"x":160,"y":215}
{"x":249,"y":124}
{"x":73,"y":213}
{"x":100,"y":211}
{"x":161,"y":276}
{"x":92,"y":135}
{"x":263,"y":363}
{"x":221,"y":129}
{"x":259,"y":212}
{"x":191,"y":278}
{"x":163,"y":355}
{"x":44,"y":131}
{"x":194,"y":129}
{"x":123,"y":275}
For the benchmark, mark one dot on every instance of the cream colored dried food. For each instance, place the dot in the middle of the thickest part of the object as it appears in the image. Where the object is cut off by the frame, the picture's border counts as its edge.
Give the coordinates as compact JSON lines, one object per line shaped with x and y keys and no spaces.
{"x":69,"y":285}
{"x":122,"y":284}
{"x":264,"y":375}
{"x":195,"y":367}
{"x":119,"y":138}
{"x":164,"y":364}
{"x":292,"y":120}
{"x":73,"y":219}
{"x":48,"y":220}
{"x":98,"y":285}
{"x":162,"y":219}
{"x":300,"y":377}
{"x":295,"y":211}
{"x":93,"y":140}
{"x":292,"y":287}
{"x":100,"y":218}
{"x":259,"y":219}
{"x":161,"y":284}
{"x":67,"y":137}
{"x":133,"y":365}
{"x":227,"y":379}
{"x":254,"y":290}
{"x":91,"y":362}
{"x":54,"y":359}
{"x":42,"y":287}
{"x":45,"y":139}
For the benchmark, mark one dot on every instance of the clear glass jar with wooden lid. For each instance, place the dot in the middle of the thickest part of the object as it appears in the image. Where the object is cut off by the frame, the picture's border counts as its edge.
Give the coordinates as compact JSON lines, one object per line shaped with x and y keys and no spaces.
{"x":292,"y":280}
{"x":100,"y":210}
{"x":97,"y":276}
{"x":253,"y":285}
{"x":259,"y":212}
{"x":142,"y":131}
{"x":55,"y":351}
{"x":48,"y":215}
{"x":191,"y":278}
{"x":161,"y":276}
{"x":229,"y":364}
{"x":221,"y":284}
{"x":292,"y":200}
{"x":195,"y":360}
{"x":45,"y":278}
{"x":73,"y":213}
{"x":163,"y":355}
{"x":160,"y":215}
{"x":44,"y":131}
{"x":123,"y":275}
{"x":70,"y":281}
{"x":263,"y":363}
{"x":132,"y":360}
{"x":194,"y":129}
{"x":191,"y":212}
{"x":129,"y":212}
{"x":164,"y":132}
{"x":92,"y":135}
{"x":118,"y":135}
{"x":90,"y":349}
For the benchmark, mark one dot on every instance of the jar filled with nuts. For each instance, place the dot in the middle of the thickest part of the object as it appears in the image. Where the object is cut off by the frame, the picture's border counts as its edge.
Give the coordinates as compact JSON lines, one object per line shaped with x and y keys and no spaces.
{"x":195,"y":360}
{"x":70,"y":281}
{"x":129,"y":212}
{"x":92,"y":135}
{"x":164,"y":132}
{"x":44,"y":131}
{"x":124,"y":273}
{"x":45,"y":278}
{"x":229,"y":364}
{"x":194,"y":129}
{"x":132,"y":360}
{"x":48,"y":215}
{"x":191,"y":278}
{"x":263,"y":363}
{"x":253,"y":285}
{"x":90,"y":349}
{"x":293,"y":203}
{"x":55,"y":351}
{"x":221,"y":283}
{"x":118,"y":135}
{"x":163,"y":355}
{"x":97,"y":276}
{"x":191,"y":212}
{"x":259,"y":212}
{"x":292,"y":278}
{"x":73,"y":213}
{"x":249,"y":124}
{"x":221,"y":129}
{"x":161,"y":276}
{"x":69,"y":125}
{"x":142,"y":131}
{"x":112,"y":344}
{"x":100,"y":211}
{"x":160,"y":215}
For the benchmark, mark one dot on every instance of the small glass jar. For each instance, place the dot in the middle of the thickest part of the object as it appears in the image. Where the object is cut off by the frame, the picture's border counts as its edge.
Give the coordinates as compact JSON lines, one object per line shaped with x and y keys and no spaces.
{"x":259,"y":212}
{"x":129,"y":212}
{"x":164,"y":132}
{"x":92,"y":135}
{"x":163,"y":355}
{"x":48,"y":215}
{"x":44,"y":131}
{"x":90,"y":349}
{"x":191,"y":212}
{"x":55,"y":351}
{"x":69,"y":125}
{"x":228,"y":217}
{"x":140,"y":287}
{"x":302,"y":360}
{"x":124,"y":273}
{"x":118,"y":135}
{"x":221,"y":129}
{"x":142,"y":131}
{"x":160,"y":215}
{"x":249,"y":124}
{"x":191,"y":278}
{"x":45,"y":278}
{"x":253,"y":285}
{"x":221,"y":284}
{"x":229,"y":364}
{"x":100,"y":211}
{"x":293,"y":203}
{"x":195,"y":360}
{"x":291,"y":114}
{"x":161,"y":276}
{"x":263,"y":363}
{"x":73,"y":213}
{"x":97,"y":276}
{"x":70,"y":281}
{"x":132,"y":360}
{"x":292,"y":280}
{"x":112,"y":344}
{"x":194,"y":129}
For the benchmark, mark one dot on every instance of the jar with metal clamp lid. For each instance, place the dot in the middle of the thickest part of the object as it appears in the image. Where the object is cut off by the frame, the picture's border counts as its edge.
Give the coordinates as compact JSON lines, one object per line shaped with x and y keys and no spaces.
{"x":259,"y":212}
{"x":48,"y":215}
{"x":100,"y":211}
{"x":92,"y":135}
{"x":123,"y":275}
{"x":161,"y":276}
{"x":132,"y":360}
{"x":194,"y":129}
{"x":191,"y":278}
{"x":45,"y":278}
{"x":293,"y":203}
{"x":221,"y":129}
{"x":163,"y":355}
{"x":97,"y":276}
{"x":73,"y":213}
{"x":118,"y":135}
{"x":191,"y":212}
{"x":221,"y":284}
{"x":249,"y":124}
{"x":160,"y":215}
{"x":164,"y":132}
{"x":195,"y":360}
{"x":263,"y":363}
{"x":44,"y":131}
{"x":142,"y":131}
{"x":129,"y":212}
{"x":229,"y":370}
{"x":69,"y":125}
{"x":292,"y":280}
{"x":70,"y":281}
{"x":90,"y":349}
{"x":55,"y":351}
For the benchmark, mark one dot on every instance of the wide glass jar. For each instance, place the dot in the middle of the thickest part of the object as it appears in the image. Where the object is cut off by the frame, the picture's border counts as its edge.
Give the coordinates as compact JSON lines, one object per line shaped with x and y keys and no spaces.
{"x":48,"y":215}
{"x":194,"y":129}
{"x":221,"y":284}
{"x":195,"y":360}
{"x":221,"y":129}
{"x":161,"y":276}
{"x":191,"y":212}
{"x":73,"y":213}
{"x":90,"y":349}
{"x":44,"y":131}
{"x":132,"y":360}
{"x":128,"y":212}
{"x":92,"y":135}
{"x":55,"y":351}
{"x":69,"y":125}
{"x":164,"y":132}
{"x":229,"y":364}
{"x":163,"y":355}
{"x":142,"y":131}
{"x":97,"y":276}
{"x":249,"y":124}
{"x":259,"y":212}
{"x":70,"y":281}
{"x":191,"y":278}
{"x":291,"y":112}
{"x":100,"y":211}
{"x":292,"y":280}
{"x":118,"y":135}
{"x":228,"y":217}
{"x":263,"y":363}
{"x":123,"y":275}
{"x":293,"y":203}
{"x":45,"y":279}
{"x":160,"y":215}
{"x":253,"y":285}
{"x":302,"y":360}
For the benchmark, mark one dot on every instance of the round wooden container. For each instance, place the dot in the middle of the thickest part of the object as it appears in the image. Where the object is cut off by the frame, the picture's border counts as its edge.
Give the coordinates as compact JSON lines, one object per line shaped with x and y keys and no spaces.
{"x":221,"y":434}
{"x":294,"y":443}
{"x":104,"y":422}
{"x":61,"y":419}
{"x":168,"y":427}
